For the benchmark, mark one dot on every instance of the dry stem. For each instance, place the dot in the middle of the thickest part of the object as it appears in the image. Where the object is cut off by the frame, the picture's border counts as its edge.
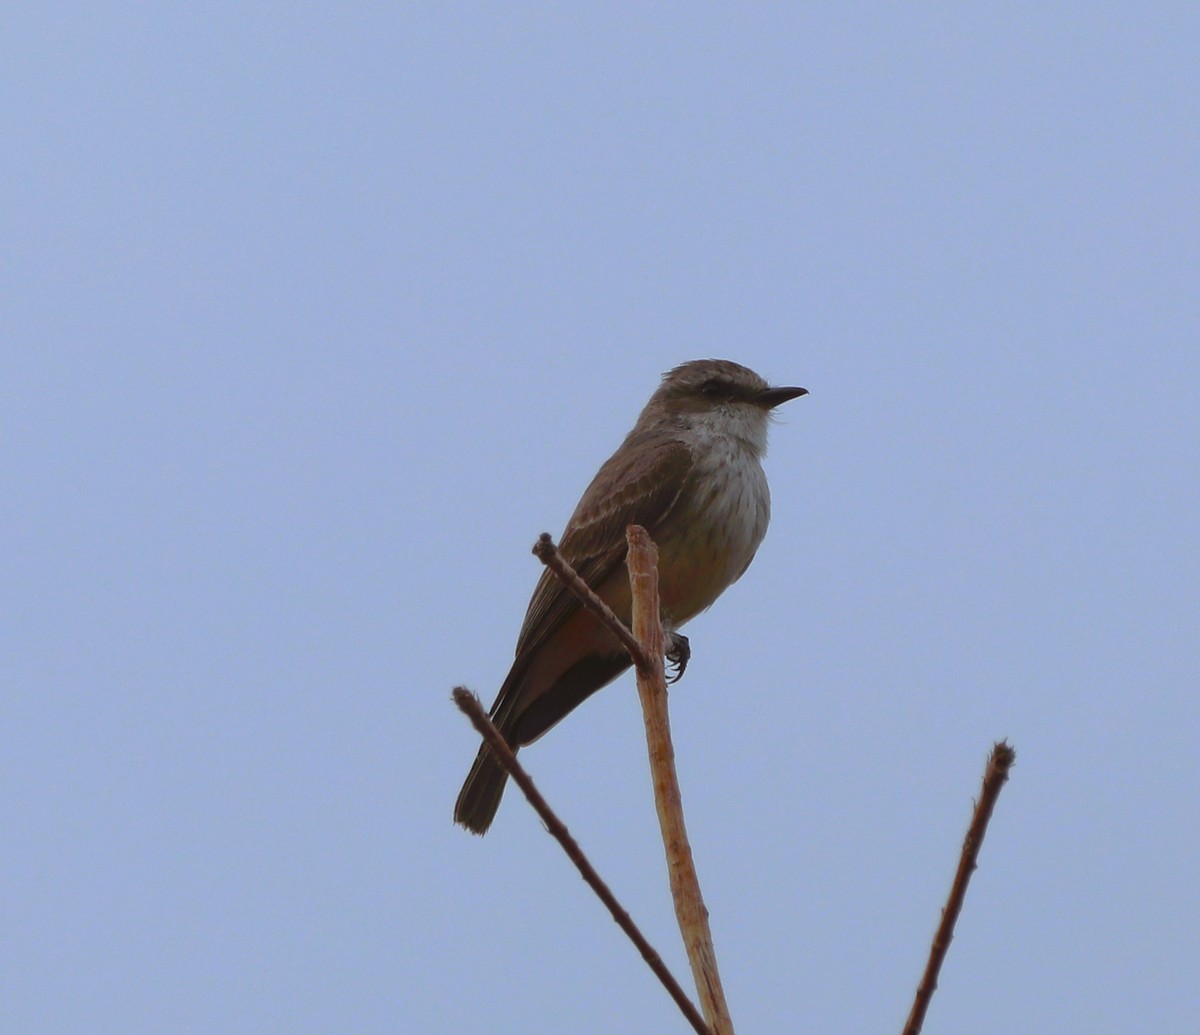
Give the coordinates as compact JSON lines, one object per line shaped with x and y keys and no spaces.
{"x":690,"y":911}
{"x":546,"y":552}
{"x":469,"y":704}
{"x":994,"y":779}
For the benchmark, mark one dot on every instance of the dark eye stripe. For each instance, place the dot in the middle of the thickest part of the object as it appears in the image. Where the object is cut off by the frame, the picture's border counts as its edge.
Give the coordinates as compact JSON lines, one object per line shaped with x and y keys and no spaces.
{"x":714,"y":388}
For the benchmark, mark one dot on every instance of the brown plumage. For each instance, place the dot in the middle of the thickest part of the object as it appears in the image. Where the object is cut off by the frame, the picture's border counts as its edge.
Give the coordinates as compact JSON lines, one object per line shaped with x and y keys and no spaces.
{"x":690,"y":473}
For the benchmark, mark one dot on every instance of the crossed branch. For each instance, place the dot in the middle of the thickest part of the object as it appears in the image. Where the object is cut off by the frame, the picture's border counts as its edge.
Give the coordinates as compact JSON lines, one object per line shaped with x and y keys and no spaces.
{"x":647,"y":646}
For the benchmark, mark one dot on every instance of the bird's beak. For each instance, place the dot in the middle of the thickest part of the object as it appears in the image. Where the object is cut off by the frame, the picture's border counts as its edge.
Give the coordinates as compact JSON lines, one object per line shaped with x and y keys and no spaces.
{"x":772,"y":397}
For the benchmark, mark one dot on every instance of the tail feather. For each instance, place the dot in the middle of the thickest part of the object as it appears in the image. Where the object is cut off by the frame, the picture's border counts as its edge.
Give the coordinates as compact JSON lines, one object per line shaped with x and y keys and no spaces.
{"x":480,"y":795}
{"x":521,"y":718}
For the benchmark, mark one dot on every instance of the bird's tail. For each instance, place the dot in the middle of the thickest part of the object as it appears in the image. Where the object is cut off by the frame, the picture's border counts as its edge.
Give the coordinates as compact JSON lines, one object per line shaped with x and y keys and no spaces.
{"x":480,"y":795}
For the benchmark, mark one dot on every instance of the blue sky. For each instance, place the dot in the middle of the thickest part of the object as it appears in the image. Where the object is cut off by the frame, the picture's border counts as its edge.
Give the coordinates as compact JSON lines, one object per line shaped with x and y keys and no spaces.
{"x":315,"y":318}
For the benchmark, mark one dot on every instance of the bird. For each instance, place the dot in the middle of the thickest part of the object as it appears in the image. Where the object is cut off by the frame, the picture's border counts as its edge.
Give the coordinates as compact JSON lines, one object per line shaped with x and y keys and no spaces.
{"x":690,"y":472}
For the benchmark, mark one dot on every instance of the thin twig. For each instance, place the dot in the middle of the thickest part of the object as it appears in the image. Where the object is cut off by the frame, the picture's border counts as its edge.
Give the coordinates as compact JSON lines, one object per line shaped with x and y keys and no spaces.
{"x":642,"y":560}
{"x":469,"y":704}
{"x":994,"y":779}
{"x":546,"y":552}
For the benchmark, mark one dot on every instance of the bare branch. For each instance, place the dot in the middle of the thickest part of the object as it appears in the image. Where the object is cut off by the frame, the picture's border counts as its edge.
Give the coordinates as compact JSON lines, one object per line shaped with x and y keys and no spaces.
{"x":546,"y":552}
{"x":690,"y":911}
{"x":994,"y":779}
{"x":469,"y":704}
{"x":646,"y":646}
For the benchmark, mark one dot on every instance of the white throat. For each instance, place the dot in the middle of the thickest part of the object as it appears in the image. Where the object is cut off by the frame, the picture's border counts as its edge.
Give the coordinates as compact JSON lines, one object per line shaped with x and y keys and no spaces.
{"x":734,"y":424}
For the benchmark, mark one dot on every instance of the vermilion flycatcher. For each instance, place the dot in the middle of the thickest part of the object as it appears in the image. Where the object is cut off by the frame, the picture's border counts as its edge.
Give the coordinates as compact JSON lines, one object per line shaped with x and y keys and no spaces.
{"x":690,"y":473}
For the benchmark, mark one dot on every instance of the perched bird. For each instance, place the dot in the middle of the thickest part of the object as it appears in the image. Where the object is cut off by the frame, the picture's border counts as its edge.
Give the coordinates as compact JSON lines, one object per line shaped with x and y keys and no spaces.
{"x":690,"y":473}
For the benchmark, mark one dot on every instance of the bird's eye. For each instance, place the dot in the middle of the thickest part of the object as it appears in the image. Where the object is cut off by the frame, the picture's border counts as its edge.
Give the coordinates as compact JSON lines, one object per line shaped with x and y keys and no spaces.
{"x":712,"y":389}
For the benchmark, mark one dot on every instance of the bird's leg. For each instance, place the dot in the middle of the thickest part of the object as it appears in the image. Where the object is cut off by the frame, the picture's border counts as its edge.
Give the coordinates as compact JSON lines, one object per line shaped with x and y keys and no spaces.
{"x":678,"y":654}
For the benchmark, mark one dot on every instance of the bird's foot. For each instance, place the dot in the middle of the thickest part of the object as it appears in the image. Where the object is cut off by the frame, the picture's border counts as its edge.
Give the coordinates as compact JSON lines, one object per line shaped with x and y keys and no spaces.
{"x":679,"y":653}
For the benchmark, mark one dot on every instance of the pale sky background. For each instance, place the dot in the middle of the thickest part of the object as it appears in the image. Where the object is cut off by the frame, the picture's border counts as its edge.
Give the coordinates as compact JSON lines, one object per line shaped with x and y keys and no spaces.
{"x":314,"y":318}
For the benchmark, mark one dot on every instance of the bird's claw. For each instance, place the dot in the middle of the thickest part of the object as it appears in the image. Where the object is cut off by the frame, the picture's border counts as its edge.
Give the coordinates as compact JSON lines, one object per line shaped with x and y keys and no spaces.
{"x":678,"y":655}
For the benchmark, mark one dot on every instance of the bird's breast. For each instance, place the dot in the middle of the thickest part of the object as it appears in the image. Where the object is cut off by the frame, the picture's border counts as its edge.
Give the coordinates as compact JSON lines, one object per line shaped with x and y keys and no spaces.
{"x":713,"y":532}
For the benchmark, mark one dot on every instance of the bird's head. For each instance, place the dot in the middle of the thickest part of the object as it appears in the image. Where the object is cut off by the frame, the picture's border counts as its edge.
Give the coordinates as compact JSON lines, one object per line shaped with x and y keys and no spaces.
{"x":719,"y":397}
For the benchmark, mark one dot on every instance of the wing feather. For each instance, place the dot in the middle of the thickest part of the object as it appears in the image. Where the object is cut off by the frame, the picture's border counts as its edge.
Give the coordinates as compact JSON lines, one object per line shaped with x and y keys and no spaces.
{"x":640,"y":484}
